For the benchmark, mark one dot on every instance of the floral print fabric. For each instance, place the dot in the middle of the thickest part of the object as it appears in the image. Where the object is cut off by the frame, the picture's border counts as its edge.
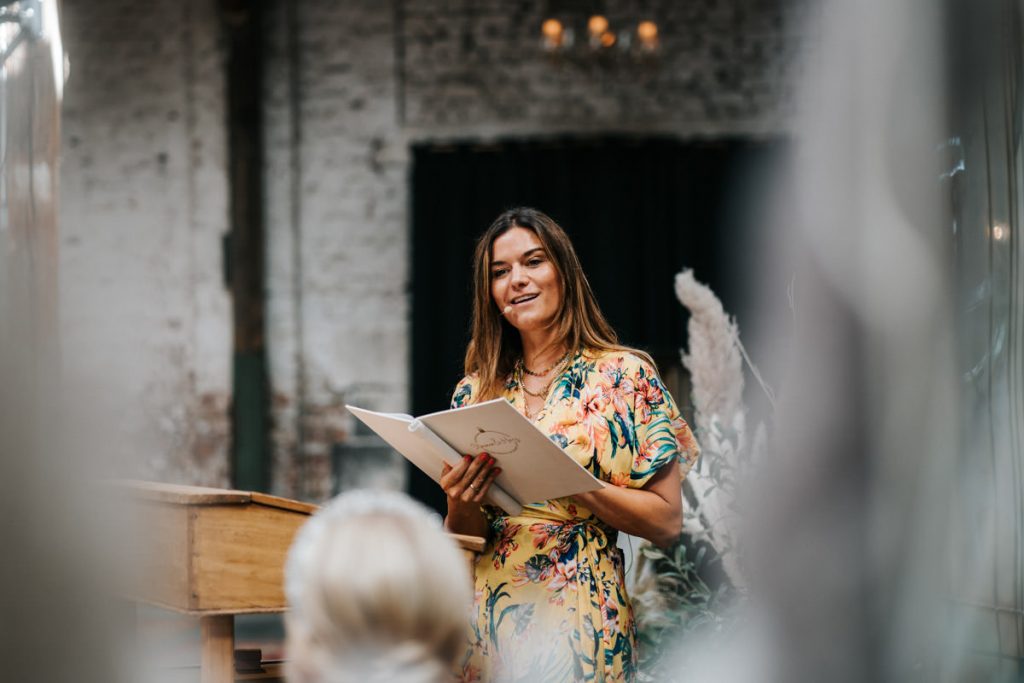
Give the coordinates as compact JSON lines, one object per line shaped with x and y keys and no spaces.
{"x":550,"y":601}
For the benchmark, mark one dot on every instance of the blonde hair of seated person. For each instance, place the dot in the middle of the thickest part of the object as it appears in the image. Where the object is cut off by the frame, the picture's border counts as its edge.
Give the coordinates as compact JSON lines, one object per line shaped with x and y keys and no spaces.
{"x":377,"y":591}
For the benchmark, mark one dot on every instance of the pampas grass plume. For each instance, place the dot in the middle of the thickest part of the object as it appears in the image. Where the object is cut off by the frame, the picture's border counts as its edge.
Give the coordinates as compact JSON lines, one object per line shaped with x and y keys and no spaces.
{"x":714,"y":360}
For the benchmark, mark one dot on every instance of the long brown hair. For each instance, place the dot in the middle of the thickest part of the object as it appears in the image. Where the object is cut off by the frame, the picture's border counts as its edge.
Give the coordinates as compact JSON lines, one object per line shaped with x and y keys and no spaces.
{"x":495,"y":344}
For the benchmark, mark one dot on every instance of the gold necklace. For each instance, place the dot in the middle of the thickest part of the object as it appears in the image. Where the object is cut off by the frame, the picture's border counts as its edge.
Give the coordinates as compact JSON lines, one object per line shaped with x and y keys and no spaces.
{"x":547,"y":388}
{"x":526,"y":401}
{"x":546,"y":370}
{"x":540,"y":394}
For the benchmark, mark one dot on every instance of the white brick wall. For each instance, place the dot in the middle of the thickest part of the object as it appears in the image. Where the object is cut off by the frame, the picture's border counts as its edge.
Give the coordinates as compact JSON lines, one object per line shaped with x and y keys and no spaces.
{"x":144,"y":313}
{"x":475,"y":68}
{"x":349,"y":230}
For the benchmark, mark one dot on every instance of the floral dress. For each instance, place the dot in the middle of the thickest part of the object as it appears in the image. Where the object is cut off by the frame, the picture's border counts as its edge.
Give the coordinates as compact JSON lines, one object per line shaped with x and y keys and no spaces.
{"x":551,"y":602}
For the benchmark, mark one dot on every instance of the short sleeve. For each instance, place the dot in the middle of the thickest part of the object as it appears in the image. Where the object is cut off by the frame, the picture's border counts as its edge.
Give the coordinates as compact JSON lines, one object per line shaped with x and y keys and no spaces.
{"x":661,"y":435}
{"x":463,"y":394}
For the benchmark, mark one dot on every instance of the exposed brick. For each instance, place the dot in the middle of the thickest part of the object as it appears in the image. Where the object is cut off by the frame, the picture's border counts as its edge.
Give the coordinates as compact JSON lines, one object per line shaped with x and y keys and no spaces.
{"x":144,"y":205}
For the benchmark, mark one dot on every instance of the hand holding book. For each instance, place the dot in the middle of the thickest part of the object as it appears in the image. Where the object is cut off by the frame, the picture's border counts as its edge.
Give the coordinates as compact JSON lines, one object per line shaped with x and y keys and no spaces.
{"x":532,"y":468}
{"x":470,"y":480}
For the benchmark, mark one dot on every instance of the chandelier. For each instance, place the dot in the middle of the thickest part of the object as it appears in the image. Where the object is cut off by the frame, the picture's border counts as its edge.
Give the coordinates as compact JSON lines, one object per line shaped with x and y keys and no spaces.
{"x":586,"y":33}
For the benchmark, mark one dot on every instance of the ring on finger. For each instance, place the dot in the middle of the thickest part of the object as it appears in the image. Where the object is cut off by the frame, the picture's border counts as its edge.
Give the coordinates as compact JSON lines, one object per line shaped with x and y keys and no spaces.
{"x":472,"y":487}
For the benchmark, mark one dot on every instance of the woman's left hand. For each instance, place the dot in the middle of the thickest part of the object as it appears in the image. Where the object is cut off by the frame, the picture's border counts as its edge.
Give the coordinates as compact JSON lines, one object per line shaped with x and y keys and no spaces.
{"x":469,"y":480}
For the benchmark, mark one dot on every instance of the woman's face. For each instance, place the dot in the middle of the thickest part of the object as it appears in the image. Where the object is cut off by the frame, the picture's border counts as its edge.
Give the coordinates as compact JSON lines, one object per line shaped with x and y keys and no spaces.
{"x":523,"y":277}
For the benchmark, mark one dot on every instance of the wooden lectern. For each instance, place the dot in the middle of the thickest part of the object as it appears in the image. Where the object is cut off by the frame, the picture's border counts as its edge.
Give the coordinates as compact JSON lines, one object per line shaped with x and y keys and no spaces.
{"x":214,"y":553}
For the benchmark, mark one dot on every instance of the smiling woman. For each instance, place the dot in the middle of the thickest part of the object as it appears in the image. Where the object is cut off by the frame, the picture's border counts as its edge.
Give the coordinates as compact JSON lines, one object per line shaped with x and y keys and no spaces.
{"x":551,"y":599}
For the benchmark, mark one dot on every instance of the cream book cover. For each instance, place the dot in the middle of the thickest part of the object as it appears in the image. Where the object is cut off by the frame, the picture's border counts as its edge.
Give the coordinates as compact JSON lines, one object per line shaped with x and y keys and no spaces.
{"x":534,"y":468}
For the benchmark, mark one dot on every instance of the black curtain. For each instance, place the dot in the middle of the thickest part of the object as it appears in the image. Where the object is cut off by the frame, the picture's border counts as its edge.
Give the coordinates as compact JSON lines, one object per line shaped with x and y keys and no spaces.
{"x":637,"y":211}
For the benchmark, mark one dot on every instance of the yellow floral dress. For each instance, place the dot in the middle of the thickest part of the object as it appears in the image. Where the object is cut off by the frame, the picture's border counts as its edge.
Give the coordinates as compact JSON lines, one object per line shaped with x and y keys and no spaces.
{"x":551,"y":602}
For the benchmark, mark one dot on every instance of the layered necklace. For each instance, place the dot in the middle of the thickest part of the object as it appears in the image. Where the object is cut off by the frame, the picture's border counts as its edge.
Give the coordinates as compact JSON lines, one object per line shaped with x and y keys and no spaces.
{"x":521,"y":368}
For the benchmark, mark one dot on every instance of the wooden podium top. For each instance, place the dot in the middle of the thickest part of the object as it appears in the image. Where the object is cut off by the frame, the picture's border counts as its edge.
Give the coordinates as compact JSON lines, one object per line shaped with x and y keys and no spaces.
{"x":207,"y":551}
{"x":181,"y":494}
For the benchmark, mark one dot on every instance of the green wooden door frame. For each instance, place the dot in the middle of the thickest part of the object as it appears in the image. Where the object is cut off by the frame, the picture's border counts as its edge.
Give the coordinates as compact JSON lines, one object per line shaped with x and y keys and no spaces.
{"x":242,"y":25}
{"x":250,"y":455}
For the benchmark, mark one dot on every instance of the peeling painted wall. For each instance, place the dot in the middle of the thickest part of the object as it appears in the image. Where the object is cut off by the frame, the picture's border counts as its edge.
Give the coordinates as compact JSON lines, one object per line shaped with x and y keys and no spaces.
{"x":337,"y":266}
{"x":725,"y":67}
{"x":145,"y":317}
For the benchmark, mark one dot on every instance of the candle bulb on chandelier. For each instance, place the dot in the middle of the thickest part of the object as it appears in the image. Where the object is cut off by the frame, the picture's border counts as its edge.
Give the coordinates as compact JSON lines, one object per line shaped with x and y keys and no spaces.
{"x":647,"y":33}
{"x":554,"y":34}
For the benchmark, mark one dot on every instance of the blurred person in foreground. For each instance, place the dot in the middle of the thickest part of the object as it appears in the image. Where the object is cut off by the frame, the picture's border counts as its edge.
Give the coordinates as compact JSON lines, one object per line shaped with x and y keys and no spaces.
{"x":377,"y":592}
{"x":551,"y":601}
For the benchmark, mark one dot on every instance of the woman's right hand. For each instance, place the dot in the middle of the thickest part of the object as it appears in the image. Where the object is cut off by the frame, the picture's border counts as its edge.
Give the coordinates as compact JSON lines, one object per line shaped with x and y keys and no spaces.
{"x":467,"y":482}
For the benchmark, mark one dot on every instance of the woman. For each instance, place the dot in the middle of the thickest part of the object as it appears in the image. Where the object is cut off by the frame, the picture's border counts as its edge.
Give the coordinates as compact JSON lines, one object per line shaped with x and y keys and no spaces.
{"x":377,"y":592}
{"x":551,"y":603}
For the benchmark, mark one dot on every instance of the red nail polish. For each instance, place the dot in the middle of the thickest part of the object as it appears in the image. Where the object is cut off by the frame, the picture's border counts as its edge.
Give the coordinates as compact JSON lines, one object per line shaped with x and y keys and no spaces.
{"x":467,"y":458}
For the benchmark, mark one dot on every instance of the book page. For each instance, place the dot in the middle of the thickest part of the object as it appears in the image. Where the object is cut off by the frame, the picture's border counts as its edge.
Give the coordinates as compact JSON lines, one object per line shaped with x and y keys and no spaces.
{"x":534,"y":469}
{"x":394,"y":429}
{"x":420,"y":446}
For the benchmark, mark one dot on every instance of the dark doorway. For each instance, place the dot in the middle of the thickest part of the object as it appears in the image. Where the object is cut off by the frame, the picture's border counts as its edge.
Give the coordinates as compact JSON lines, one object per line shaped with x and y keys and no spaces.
{"x":638,"y":211}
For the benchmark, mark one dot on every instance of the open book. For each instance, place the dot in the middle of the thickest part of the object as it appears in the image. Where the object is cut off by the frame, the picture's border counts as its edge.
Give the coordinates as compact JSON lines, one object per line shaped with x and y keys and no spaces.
{"x":534,"y":469}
